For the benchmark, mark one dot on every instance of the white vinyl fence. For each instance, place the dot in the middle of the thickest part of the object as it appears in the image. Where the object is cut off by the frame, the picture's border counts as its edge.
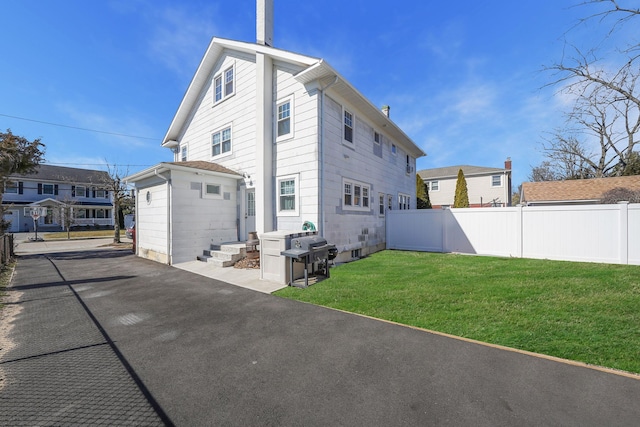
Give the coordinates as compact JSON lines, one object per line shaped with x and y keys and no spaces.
{"x":591,"y":233}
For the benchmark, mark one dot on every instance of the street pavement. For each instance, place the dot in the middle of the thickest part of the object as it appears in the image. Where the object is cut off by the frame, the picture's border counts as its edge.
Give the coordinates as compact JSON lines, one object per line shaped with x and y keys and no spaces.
{"x":100,"y":336}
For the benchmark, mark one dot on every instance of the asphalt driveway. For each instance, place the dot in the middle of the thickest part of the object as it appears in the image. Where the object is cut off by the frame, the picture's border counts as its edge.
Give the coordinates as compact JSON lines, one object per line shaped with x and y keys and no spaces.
{"x":101,"y":335}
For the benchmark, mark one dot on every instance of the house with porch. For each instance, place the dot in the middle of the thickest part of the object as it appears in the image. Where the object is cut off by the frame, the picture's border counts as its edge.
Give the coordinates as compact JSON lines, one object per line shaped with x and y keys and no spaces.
{"x":487,"y":186}
{"x":78,"y":193}
{"x":269,"y":140}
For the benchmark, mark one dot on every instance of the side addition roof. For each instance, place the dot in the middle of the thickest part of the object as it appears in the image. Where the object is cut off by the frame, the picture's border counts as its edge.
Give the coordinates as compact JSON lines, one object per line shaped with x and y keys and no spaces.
{"x":577,"y":190}
{"x":191,"y":166}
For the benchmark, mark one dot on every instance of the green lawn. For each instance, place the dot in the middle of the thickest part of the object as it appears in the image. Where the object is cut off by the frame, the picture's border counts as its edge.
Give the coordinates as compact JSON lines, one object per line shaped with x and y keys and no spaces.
{"x":580,"y":311}
{"x":81,"y":234}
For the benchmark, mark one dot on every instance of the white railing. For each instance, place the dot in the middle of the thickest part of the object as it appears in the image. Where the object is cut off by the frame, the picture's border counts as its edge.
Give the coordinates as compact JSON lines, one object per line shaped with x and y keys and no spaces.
{"x":592,"y":233}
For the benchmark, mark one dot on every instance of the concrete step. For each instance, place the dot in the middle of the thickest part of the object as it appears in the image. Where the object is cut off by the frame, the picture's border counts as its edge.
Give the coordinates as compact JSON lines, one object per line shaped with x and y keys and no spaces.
{"x":224,"y":255}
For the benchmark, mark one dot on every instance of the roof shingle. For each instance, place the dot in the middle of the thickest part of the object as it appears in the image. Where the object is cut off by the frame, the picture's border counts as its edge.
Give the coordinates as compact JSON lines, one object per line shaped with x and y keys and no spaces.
{"x":576,"y":189}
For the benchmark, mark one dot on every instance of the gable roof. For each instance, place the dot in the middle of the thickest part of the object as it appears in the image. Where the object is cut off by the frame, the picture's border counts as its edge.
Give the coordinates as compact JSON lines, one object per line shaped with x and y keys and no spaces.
{"x":313,"y":69}
{"x":575,"y":190}
{"x":452,"y":171}
{"x":65,"y":174}
{"x":191,"y":166}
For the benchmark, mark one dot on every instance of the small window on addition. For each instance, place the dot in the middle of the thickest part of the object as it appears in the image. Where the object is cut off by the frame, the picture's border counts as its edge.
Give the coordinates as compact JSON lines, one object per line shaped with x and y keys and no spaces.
{"x":213,"y":190}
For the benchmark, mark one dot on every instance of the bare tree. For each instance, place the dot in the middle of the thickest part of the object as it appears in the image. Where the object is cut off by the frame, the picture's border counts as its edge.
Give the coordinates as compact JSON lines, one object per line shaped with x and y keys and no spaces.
{"x":118,"y":189}
{"x":603,"y":128}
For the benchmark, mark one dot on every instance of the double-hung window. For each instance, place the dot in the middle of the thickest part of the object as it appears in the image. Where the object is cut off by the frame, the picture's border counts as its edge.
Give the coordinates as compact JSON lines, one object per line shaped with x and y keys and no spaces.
{"x":355,"y":195}
{"x":288,"y":195}
{"x":11,"y":187}
{"x":377,"y":138}
{"x":47,"y":188}
{"x":284,"y":128}
{"x":381,"y":204}
{"x":434,"y":185}
{"x":221,"y":142}
{"x":348,"y":126}
{"x":496,"y":180}
{"x":183,"y":153}
{"x":404,"y":201}
{"x":224,"y":84}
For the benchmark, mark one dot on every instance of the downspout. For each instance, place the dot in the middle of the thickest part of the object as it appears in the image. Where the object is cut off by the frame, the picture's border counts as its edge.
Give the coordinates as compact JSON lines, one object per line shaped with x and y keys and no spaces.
{"x":321,"y":148}
{"x":169,"y":219}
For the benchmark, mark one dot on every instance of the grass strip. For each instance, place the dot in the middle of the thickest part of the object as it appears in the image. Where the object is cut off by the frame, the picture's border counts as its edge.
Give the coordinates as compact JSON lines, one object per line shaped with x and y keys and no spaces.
{"x":586,"y":312}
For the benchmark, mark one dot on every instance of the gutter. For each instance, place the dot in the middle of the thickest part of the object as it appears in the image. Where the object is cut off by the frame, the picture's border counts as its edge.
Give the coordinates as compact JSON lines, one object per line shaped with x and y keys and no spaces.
{"x":321,"y":149}
{"x":169,"y":216}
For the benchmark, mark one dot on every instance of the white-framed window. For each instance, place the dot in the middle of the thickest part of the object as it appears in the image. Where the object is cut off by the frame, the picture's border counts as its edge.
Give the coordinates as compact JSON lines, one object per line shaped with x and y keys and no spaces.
{"x":355,"y":195}
{"x":434,"y":185}
{"x":11,"y":187}
{"x":212,"y":190}
{"x":79,"y":191}
{"x":221,"y":142}
{"x":183,"y":153}
{"x":47,"y":188}
{"x":381,"y":204}
{"x":101,"y":193}
{"x":284,"y":123}
{"x":100,"y":213}
{"x":404,"y":201}
{"x":224,"y":84}
{"x":288,"y":197}
{"x":394,"y":149}
{"x":377,"y":138}
{"x":348,"y":126}
{"x":496,"y":180}
{"x":81,"y":213}
{"x":389,"y":201}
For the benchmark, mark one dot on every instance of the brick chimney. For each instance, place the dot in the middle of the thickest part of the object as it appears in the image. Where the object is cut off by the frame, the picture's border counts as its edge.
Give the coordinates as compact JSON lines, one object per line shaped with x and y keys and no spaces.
{"x":264,"y":22}
{"x":386,"y":110}
{"x":507,"y":163}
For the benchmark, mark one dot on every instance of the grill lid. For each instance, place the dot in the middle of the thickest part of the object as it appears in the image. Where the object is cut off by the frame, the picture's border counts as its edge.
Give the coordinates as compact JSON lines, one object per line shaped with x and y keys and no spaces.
{"x":308,"y":243}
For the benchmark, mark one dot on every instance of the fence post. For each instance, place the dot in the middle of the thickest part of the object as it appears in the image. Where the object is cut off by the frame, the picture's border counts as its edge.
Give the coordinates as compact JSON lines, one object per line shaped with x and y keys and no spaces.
{"x":624,"y":232}
{"x":519,"y":232}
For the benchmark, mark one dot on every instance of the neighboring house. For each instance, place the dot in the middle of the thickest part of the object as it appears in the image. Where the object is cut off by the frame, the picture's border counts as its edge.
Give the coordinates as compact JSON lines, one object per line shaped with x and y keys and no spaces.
{"x":56,"y":188}
{"x":487,"y":187}
{"x":575,"y":191}
{"x":267,"y":140}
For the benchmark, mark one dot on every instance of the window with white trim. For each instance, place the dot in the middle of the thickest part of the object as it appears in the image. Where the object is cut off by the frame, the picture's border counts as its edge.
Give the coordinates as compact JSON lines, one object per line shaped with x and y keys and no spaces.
{"x":355,"y":195}
{"x":394,"y":149}
{"x":221,"y":142}
{"x":348,"y":126}
{"x":100,"y":193}
{"x":287,"y":187}
{"x":47,"y":188}
{"x":404,"y":201}
{"x":212,"y":190}
{"x":183,"y":153}
{"x":496,"y":180}
{"x":80,"y":191}
{"x":284,"y":125}
{"x":11,"y":187}
{"x":381,"y":204}
{"x":224,"y":84}
{"x":434,"y":185}
{"x":389,"y":201}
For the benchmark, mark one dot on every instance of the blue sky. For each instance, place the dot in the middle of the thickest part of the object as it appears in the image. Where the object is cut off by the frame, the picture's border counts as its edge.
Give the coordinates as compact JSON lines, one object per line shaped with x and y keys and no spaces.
{"x":463,"y":78}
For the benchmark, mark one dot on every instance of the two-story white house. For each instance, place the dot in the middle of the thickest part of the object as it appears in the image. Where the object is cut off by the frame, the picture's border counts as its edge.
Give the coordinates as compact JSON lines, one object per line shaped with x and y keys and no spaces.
{"x":57,"y":188}
{"x":268,"y":140}
{"x":486,"y":186}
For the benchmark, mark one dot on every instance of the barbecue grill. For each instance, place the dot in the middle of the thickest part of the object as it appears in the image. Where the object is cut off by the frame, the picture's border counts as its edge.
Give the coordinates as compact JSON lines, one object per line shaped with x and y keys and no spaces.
{"x":310,"y":250}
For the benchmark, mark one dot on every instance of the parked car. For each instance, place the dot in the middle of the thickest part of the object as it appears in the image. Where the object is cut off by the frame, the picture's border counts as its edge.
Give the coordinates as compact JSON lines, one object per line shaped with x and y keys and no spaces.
{"x":130,"y":231}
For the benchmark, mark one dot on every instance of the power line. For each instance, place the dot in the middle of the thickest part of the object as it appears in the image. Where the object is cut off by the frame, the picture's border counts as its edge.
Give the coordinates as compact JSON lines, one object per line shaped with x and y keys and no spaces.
{"x":79,"y":128}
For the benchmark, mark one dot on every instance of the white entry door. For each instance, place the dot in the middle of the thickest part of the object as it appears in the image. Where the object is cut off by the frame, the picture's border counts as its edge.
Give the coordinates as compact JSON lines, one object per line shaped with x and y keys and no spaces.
{"x":250,"y":211}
